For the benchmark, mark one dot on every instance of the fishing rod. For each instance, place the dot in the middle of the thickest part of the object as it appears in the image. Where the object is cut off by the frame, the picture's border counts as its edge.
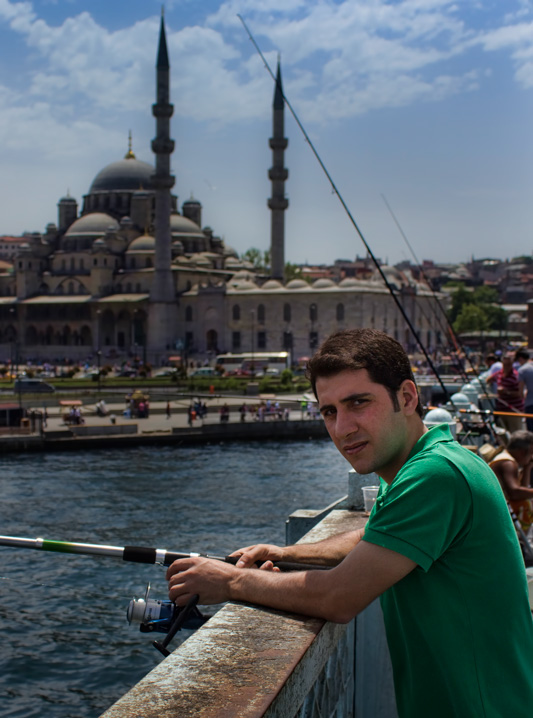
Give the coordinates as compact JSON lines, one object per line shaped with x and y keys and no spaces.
{"x":135,"y":554}
{"x":152,"y":614}
{"x":348,"y":213}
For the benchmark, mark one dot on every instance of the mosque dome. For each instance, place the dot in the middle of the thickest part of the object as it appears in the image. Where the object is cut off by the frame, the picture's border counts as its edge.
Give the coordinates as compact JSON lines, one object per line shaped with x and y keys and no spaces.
{"x":272,"y":284}
{"x":93,"y":223}
{"x":242,"y":285}
{"x":298,"y":284}
{"x":183,"y":225}
{"x":323,"y":283}
{"x":144,"y":243}
{"x":349,"y":282}
{"x":127,"y":174}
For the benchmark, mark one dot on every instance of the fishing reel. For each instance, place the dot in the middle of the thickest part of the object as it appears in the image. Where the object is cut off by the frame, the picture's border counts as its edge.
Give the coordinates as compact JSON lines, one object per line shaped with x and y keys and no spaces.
{"x":163,"y":617}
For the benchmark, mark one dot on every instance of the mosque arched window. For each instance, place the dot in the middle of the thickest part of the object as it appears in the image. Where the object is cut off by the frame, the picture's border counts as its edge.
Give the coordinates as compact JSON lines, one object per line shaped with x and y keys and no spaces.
{"x":340,"y":312}
{"x":313,"y":312}
{"x":128,"y":288}
{"x":138,"y":288}
{"x":82,"y":264}
{"x":71,"y":287}
{"x":261,"y":314}
{"x":286,"y":312}
{"x":188,"y":314}
{"x":72,"y":263}
{"x":148,"y":262}
{"x":236,"y":312}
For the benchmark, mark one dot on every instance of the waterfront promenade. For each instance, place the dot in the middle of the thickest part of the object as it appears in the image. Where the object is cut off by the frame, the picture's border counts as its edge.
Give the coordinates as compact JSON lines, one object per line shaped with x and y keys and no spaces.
{"x":168,"y":422}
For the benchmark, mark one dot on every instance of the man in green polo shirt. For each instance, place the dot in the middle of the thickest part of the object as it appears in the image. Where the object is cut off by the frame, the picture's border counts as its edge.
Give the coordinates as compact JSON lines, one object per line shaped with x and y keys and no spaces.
{"x":439,"y":547}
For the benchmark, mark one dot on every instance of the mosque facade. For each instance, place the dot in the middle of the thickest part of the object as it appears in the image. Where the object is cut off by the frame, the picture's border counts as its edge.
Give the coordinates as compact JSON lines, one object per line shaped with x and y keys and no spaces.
{"x":128,"y":273}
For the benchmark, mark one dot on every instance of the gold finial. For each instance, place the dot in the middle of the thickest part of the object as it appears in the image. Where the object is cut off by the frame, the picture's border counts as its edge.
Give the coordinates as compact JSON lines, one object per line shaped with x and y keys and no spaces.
{"x":129,"y":154}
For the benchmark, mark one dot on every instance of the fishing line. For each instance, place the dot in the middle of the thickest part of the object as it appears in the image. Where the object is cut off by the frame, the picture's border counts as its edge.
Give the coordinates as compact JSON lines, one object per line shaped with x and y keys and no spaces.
{"x":455,"y":339}
{"x":335,"y":191}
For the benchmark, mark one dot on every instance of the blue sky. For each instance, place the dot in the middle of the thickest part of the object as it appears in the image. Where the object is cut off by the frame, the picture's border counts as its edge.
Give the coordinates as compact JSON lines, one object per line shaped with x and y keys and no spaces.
{"x":426,"y":102}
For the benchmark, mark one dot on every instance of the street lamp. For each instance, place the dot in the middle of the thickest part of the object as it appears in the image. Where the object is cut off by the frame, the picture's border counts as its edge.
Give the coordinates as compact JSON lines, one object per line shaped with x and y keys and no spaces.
{"x":253,"y":343}
{"x":98,"y":351}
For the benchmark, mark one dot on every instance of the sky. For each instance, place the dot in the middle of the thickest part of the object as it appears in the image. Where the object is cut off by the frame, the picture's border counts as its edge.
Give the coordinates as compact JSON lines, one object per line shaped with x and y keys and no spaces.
{"x":421,"y":106}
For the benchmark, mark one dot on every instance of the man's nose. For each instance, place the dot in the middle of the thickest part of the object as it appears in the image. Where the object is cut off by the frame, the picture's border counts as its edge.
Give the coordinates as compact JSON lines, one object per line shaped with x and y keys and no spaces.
{"x":345,"y":425}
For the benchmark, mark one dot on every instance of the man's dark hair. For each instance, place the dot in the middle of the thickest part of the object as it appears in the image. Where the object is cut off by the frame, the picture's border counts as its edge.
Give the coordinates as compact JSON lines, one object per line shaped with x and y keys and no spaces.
{"x":382,"y":356}
{"x":522,"y":354}
{"x":520,"y":439}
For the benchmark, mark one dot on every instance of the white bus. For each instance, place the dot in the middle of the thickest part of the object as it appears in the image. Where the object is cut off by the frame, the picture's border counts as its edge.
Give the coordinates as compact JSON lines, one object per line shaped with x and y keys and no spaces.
{"x":244,"y":362}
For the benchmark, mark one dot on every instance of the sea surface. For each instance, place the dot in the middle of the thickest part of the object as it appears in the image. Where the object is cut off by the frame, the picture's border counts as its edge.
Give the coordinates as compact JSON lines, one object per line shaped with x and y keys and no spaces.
{"x":66,"y":649}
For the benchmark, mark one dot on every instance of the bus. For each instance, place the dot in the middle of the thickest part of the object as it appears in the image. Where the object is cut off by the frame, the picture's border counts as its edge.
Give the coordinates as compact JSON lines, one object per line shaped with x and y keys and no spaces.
{"x":259,"y":362}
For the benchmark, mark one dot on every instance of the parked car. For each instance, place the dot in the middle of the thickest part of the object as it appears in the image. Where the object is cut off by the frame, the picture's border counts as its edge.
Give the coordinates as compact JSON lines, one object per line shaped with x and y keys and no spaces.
{"x":32,"y":386}
{"x":205,"y":371}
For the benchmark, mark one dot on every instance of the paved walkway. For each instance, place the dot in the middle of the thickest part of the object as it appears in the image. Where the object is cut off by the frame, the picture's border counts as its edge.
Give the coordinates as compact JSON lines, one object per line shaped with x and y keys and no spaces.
{"x":158,"y":421}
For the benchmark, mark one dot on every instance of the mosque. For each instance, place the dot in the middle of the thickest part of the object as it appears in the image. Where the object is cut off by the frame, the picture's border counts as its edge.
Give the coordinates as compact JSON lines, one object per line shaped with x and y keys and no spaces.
{"x":129,"y":274}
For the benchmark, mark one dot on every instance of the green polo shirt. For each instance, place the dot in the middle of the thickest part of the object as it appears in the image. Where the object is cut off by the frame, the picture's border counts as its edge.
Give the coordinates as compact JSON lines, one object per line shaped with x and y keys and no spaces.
{"x":459,"y":626}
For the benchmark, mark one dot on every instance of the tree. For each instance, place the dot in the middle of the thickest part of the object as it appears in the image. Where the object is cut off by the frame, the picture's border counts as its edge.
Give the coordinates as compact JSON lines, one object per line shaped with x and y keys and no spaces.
{"x":477,"y":311}
{"x":260,"y":260}
{"x":470,"y":319}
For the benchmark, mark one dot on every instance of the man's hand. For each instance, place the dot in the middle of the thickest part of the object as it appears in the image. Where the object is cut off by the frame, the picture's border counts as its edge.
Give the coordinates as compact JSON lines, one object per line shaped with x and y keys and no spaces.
{"x":258,"y":553}
{"x":208,"y":578}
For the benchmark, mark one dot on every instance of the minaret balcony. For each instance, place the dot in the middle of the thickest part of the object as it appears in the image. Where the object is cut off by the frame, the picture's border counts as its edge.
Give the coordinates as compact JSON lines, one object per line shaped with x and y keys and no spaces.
{"x":278,"y":143}
{"x":278,"y":174}
{"x":162,"y":146}
{"x":278,"y":203}
{"x":162,"y":109}
{"x":162,"y":181}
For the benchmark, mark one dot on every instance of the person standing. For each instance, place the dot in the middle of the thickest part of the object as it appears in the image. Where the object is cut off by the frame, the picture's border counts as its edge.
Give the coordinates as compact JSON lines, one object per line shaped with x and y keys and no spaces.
{"x":525,"y":376}
{"x":512,"y":466}
{"x":509,"y":396}
{"x":439,"y":547}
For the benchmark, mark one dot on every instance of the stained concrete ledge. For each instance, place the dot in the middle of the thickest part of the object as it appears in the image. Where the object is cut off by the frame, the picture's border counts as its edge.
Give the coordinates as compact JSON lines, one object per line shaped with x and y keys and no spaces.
{"x":245,"y":662}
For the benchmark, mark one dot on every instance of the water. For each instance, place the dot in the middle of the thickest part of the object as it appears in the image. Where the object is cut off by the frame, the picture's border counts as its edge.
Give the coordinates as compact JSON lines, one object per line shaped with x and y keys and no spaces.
{"x":67,"y":650}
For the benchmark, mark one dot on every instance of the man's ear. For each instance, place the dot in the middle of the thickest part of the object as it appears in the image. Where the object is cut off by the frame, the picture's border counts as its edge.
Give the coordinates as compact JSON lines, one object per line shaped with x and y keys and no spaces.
{"x":408,"y":397}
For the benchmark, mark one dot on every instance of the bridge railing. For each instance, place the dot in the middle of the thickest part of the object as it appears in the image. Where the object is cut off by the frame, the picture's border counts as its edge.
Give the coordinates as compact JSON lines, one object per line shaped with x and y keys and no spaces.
{"x":251,"y":662}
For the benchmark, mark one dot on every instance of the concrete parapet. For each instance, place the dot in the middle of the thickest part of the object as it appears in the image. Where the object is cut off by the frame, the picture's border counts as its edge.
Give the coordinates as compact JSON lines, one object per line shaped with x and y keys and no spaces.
{"x":252,"y":662}
{"x":104,"y":429}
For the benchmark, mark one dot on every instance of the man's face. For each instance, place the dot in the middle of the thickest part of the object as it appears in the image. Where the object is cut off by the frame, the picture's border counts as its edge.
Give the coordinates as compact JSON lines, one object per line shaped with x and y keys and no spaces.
{"x":361,"y":420}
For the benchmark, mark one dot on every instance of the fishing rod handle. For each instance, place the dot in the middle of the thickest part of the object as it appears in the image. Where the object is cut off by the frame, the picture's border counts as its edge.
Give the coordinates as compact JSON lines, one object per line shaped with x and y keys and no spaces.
{"x":282,"y":565}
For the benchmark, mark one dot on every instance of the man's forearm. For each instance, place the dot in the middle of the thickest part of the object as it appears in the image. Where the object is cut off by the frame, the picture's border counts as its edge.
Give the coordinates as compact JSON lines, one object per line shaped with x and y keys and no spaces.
{"x":330,"y":551}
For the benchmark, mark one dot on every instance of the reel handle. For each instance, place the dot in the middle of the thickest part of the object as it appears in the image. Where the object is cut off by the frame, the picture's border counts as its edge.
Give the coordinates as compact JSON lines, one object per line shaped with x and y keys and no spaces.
{"x":176,"y":625}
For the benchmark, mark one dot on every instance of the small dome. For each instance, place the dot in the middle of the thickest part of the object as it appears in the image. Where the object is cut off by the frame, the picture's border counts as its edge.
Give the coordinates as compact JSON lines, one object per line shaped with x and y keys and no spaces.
{"x":126,"y":174}
{"x":272,"y":284}
{"x":93,"y":223}
{"x":229,"y":251}
{"x":183,"y":225}
{"x":349,"y":282}
{"x":99,"y":245}
{"x":126,"y":221}
{"x":200,"y":261}
{"x":298,"y":284}
{"x":144,"y":243}
{"x":243,"y":274}
{"x":323,"y":282}
{"x":242,"y":285}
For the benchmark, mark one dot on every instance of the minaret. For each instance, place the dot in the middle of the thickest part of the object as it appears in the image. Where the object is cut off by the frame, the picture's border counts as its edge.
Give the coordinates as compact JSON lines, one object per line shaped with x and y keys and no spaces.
{"x":278,"y":203}
{"x":163,"y":312}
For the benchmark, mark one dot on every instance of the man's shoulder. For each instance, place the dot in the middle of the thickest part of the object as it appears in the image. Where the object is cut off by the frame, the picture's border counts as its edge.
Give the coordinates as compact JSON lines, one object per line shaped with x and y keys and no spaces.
{"x":526,"y":369}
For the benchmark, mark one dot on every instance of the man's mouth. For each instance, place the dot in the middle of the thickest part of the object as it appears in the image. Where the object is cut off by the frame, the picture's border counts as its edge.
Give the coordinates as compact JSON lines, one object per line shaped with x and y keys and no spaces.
{"x":354,"y":448}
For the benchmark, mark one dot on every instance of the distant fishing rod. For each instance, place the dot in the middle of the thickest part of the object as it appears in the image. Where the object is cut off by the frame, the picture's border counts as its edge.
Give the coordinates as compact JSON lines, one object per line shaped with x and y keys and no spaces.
{"x":455,"y":339}
{"x":152,"y":614}
{"x":349,"y":214}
